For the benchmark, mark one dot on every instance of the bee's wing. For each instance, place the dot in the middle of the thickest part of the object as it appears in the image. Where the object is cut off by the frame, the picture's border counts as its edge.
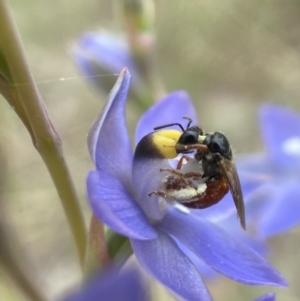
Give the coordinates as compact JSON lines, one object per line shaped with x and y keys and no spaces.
{"x":230,"y":173}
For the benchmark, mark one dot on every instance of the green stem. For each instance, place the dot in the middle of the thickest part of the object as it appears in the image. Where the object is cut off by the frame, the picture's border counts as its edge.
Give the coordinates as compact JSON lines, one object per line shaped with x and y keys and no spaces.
{"x":139,"y":22}
{"x":47,"y":141}
{"x":9,"y":93}
{"x":118,"y":246}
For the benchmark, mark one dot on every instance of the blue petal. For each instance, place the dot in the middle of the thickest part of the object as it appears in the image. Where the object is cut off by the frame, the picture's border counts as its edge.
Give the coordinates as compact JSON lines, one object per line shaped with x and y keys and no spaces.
{"x":168,"y":264}
{"x":219,"y":250}
{"x":267,"y":297}
{"x":112,"y":204}
{"x":170,"y":109}
{"x":249,"y":183}
{"x":105,"y":51}
{"x":108,"y":139}
{"x":281,"y":132}
{"x":227,"y":220}
{"x":230,"y":224}
{"x":283,"y":211}
{"x":103,"y":287}
{"x":205,"y":271}
{"x":259,"y":164}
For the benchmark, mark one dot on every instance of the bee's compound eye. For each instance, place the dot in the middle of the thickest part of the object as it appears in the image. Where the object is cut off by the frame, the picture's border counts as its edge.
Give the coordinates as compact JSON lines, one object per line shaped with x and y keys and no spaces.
{"x":215,"y":147}
{"x":218,"y":143}
{"x":188,"y":137}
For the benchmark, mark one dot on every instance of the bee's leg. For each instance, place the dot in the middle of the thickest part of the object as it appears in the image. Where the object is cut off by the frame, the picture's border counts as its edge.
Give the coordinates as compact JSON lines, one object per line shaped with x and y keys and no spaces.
{"x":183,"y":148}
{"x":180,"y":162}
{"x":158,"y":192}
{"x":191,"y":174}
{"x":172,"y":171}
{"x":185,"y":175}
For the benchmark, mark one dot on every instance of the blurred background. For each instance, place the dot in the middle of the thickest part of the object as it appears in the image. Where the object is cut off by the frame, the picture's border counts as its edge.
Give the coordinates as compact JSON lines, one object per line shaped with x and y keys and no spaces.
{"x":230,"y":56}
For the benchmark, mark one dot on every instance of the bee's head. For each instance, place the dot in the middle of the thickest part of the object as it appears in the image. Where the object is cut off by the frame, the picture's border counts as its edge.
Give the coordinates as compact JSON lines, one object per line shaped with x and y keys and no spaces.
{"x":190,"y":136}
{"x":218,"y":143}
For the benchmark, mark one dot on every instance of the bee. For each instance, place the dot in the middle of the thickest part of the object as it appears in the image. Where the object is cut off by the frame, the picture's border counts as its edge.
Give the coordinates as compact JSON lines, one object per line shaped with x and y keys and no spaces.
{"x":216,"y":174}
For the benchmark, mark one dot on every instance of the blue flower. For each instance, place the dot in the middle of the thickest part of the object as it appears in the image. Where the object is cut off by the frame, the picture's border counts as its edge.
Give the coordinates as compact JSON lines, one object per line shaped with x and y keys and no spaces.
{"x":278,"y":195}
{"x":125,"y":285}
{"x":118,"y":193}
{"x":267,"y":297}
{"x":102,"y":55}
{"x":112,"y":285}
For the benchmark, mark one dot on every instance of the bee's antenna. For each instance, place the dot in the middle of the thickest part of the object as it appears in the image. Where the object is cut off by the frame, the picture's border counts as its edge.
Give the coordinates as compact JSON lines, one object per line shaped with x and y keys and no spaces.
{"x":167,"y":125}
{"x":190,"y":121}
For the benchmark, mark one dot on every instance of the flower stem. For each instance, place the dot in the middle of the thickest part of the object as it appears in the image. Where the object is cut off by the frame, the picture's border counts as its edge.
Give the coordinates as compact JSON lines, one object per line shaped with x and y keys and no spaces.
{"x":139,"y":25}
{"x":97,"y":255}
{"x":46,"y":140}
{"x":118,"y":246}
